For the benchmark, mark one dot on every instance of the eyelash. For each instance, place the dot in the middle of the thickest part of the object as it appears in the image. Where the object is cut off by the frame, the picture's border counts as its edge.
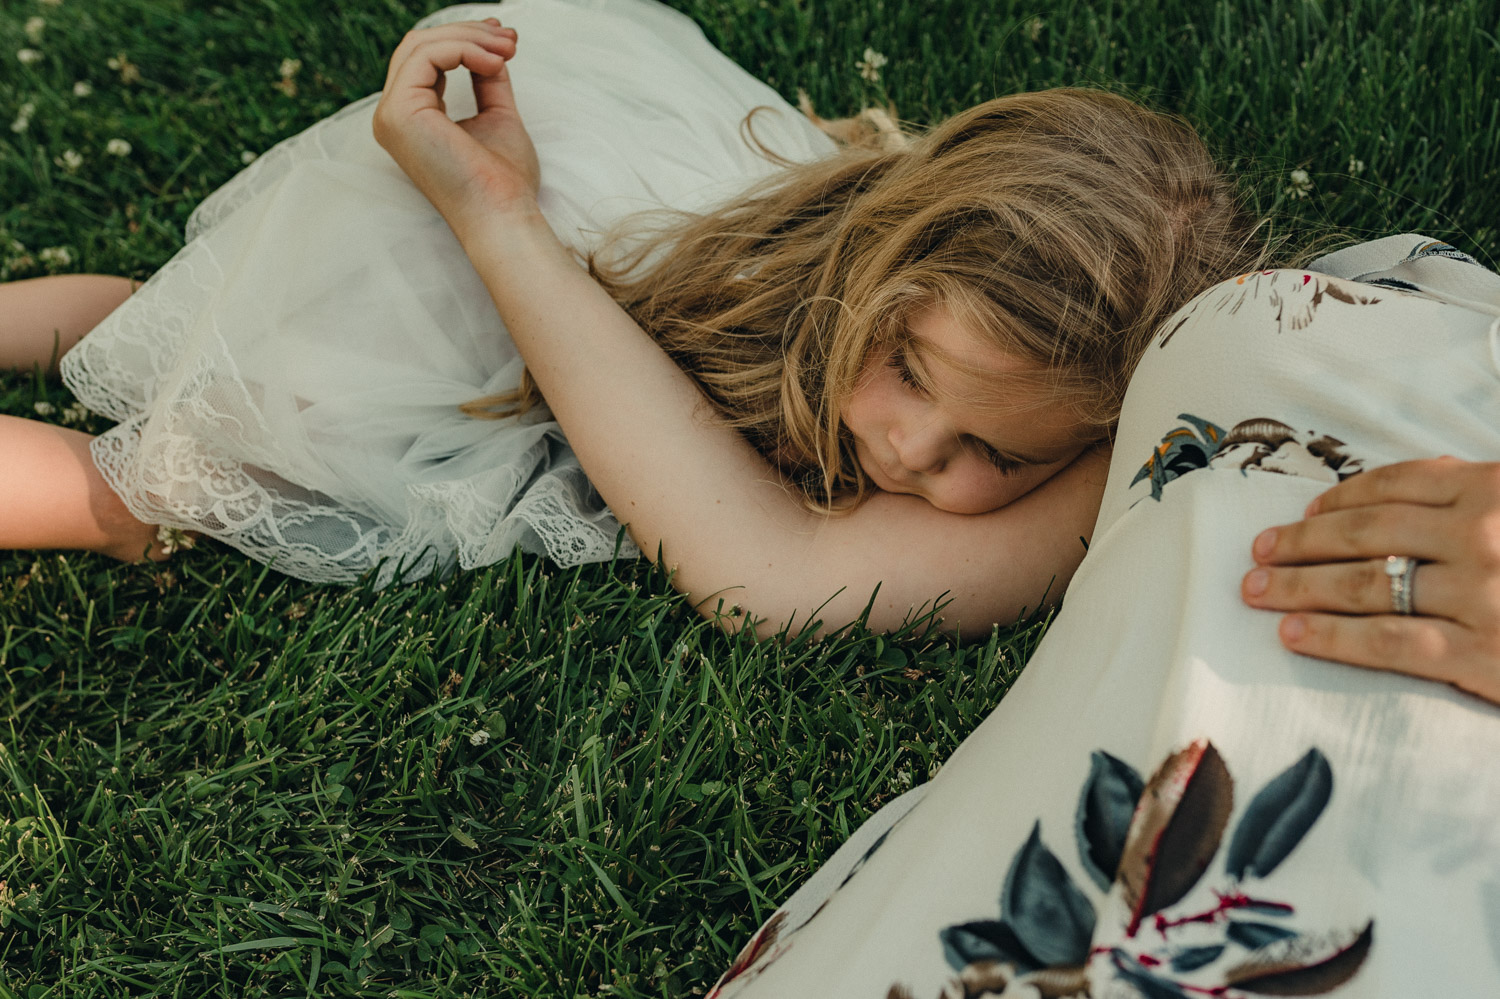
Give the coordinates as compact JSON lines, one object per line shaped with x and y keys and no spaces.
{"x":897,"y":360}
{"x":1004,"y":465}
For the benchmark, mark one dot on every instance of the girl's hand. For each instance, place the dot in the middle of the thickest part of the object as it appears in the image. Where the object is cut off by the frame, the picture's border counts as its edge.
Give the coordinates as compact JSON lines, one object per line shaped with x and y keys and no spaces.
{"x":470,"y":168}
{"x":1331,"y":569}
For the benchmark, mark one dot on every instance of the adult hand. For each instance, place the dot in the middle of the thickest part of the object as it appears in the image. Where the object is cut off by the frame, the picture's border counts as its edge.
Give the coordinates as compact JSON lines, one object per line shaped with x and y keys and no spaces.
{"x":1330,"y":570}
{"x":471,"y":168}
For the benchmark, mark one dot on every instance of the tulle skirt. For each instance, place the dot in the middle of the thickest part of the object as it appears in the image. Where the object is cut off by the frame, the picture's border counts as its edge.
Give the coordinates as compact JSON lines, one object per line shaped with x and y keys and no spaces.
{"x":289,"y":382}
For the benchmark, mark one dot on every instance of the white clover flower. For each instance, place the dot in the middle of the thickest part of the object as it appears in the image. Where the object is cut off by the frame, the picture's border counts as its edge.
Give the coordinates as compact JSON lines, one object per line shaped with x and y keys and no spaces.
{"x":247,"y":157}
{"x":288,"y":82}
{"x":129,"y":71}
{"x":82,"y":88}
{"x":28,"y":56}
{"x":1356,"y":167}
{"x":869,"y":66}
{"x":478,"y":738}
{"x":1301,"y":185}
{"x":44,"y":408}
{"x":21,"y":261}
{"x":57,"y":256}
{"x":34,"y":28}
{"x":117,"y":147}
{"x":23,"y":118}
{"x":70,"y":160}
{"x":1034,"y":28}
{"x":75,"y":414}
{"x":174,"y":540}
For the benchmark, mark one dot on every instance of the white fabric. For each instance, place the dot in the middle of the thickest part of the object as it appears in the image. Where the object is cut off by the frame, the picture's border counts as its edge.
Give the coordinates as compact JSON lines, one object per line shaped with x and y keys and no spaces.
{"x":1399,"y":871}
{"x":289,"y":382}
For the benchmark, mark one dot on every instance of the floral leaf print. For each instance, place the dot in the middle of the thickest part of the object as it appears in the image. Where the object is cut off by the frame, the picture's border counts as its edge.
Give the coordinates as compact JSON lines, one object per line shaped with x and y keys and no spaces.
{"x":1043,"y":945}
{"x":986,"y":940}
{"x":1292,"y":298}
{"x":1272,"y":446}
{"x":1338,"y":294}
{"x":865,"y":857}
{"x":758,"y":948}
{"x":1193,"y":958}
{"x":1176,"y":830}
{"x":1260,"y":443}
{"x":1058,"y":983}
{"x":1437,"y":248}
{"x":1105,"y":808}
{"x":1256,"y":440}
{"x":1253,"y":936}
{"x":1331,"y":452}
{"x":1052,"y":919}
{"x":1181,"y":451}
{"x":1148,"y":985}
{"x":985,"y":978}
{"x":1279,"y":816}
{"x":1304,"y":965}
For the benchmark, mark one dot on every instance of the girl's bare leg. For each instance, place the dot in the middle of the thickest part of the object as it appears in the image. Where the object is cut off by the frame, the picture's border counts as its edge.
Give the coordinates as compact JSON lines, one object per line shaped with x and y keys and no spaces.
{"x":51,"y":493}
{"x":52,"y":496}
{"x":42,"y":318}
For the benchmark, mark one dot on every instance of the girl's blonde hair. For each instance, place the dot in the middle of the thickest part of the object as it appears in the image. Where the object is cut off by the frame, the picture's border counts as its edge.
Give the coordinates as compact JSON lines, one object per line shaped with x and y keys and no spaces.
{"x":1066,"y":225}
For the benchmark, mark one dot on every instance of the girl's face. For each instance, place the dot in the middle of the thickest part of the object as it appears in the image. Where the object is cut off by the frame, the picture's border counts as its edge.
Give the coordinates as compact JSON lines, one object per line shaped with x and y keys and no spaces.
{"x":946,"y":417}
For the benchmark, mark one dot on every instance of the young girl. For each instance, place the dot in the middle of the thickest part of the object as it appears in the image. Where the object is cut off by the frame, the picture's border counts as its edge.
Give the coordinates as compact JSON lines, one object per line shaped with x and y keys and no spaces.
{"x":876,"y":369}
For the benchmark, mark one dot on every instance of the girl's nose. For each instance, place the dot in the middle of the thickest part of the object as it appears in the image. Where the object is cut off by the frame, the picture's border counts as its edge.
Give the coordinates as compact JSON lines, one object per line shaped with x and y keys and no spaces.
{"x":923,"y":448}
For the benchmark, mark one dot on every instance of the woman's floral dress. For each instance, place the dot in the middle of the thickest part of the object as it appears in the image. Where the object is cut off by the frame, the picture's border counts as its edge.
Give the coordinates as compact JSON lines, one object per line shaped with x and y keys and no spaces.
{"x":1168,"y":804}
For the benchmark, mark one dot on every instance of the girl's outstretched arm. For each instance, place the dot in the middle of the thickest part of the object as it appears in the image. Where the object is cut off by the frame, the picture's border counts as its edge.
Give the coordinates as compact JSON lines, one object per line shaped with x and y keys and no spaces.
{"x":735,"y":534}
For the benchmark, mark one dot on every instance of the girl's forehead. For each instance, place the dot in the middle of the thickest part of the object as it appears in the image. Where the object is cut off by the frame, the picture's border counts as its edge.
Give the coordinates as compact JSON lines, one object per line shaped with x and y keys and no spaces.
{"x":940,"y":340}
{"x":986,"y":387}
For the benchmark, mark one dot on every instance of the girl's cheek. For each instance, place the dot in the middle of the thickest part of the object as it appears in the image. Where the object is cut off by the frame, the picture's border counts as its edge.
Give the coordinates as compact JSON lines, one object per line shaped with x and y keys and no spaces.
{"x":980,"y":488}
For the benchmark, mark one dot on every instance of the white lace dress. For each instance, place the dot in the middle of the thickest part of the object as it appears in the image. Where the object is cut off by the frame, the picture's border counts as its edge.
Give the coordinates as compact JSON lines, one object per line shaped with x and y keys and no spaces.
{"x":289,"y":382}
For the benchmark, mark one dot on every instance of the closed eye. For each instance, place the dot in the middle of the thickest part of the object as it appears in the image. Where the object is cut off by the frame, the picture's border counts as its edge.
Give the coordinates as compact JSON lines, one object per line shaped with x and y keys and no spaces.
{"x":1006,"y":466}
{"x":898,"y":360}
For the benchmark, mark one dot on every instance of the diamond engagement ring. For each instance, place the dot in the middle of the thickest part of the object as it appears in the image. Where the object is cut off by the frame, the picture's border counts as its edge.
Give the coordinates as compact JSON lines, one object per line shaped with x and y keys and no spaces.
{"x":1402,"y":570}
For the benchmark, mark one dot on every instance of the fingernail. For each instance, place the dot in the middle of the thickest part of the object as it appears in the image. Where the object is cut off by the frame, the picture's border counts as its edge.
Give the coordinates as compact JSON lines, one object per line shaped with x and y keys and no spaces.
{"x":1256,"y":582}
{"x":1265,"y":543}
{"x":1293,"y":628}
{"x":1312,"y":508}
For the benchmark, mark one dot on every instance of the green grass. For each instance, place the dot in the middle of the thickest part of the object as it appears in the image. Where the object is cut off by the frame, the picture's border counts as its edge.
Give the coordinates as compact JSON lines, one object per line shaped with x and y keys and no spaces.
{"x":527,"y":781}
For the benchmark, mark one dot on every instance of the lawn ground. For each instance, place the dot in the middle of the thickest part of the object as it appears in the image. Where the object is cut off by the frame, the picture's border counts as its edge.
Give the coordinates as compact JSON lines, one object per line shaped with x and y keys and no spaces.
{"x":528,"y":781}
